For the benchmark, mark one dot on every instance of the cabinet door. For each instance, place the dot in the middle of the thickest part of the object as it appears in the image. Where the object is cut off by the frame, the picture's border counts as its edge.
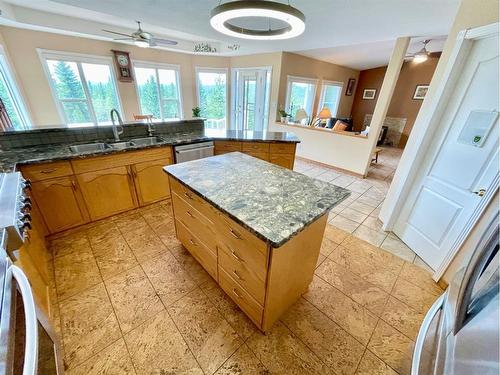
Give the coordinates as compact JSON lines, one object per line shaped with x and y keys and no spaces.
{"x":151,"y":182}
{"x":60,"y":203}
{"x":283,"y":160}
{"x":108,"y":191}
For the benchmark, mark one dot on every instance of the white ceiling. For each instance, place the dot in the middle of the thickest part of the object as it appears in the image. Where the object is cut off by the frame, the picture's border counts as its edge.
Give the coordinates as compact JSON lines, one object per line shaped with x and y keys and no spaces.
{"x":355,"y":33}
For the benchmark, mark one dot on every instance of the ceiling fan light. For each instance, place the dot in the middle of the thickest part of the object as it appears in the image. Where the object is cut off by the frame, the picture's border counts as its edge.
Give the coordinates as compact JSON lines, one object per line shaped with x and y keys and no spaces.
{"x":141,"y":43}
{"x":420,"y":58}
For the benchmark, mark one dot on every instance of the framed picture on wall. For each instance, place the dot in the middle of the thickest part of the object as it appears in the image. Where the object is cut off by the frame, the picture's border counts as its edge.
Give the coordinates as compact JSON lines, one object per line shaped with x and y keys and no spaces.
{"x":350,"y":86}
{"x":420,"y":92}
{"x":369,"y":94}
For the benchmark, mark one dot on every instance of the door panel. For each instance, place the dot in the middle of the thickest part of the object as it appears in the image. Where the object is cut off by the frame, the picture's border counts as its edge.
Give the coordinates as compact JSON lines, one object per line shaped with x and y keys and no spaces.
{"x":251,"y":102}
{"x":151,"y":181}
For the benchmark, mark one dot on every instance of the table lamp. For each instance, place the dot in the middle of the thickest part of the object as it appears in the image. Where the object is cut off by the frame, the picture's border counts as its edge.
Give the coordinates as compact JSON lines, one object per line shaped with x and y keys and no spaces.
{"x":324,"y":114}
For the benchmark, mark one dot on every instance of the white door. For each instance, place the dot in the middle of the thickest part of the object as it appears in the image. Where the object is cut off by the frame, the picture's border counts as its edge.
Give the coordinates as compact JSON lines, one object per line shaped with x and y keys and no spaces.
{"x":252,"y":99}
{"x":462,"y":160}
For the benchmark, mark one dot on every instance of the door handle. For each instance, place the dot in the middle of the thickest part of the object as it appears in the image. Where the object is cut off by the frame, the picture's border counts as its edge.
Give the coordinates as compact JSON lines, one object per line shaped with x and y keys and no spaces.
{"x":480,"y":192}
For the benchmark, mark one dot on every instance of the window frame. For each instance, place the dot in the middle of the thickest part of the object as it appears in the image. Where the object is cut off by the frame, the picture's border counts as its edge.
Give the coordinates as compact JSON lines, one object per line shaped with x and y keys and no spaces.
{"x":13,"y":88}
{"x":203,"y":69}
{"x":78,"y":58}
{"x":163,"y":66}
{"x":324,"y":85}
{"x":311,"y":81}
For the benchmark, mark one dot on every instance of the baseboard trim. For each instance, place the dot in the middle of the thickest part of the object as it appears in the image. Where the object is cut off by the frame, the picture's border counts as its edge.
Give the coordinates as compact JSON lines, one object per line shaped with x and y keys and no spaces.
{"x":330,"y":167}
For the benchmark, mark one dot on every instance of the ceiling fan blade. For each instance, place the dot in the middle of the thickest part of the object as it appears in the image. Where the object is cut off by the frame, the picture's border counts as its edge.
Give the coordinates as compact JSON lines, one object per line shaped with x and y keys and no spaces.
{"x":114,"y":32}
{"x":167,"y":42}
{"x":123,"y":38}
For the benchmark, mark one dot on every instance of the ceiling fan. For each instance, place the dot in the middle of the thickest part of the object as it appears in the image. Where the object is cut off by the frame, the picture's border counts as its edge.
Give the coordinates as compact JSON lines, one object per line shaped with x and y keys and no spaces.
{"x":422,"y":55}
{"x":142,"y":38}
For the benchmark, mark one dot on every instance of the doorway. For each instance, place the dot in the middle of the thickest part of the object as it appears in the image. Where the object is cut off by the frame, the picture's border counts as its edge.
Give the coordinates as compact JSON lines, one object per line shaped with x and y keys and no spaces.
{"x":250,"y":107}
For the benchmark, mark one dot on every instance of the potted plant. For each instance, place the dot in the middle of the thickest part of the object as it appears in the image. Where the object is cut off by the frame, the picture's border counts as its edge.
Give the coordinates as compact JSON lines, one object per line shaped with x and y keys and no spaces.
{"x":196,"y":112}
{"x":283,"y":115}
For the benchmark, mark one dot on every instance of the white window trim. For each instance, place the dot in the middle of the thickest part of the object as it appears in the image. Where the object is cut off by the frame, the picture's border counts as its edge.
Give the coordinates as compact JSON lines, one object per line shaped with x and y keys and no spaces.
{"x":290,"y":79}
{"x":156,"y":66}
{"x":203,"y":69}
{"x":45,"y":55}
{"x":15,"y":92}
{"x":324,"y":84}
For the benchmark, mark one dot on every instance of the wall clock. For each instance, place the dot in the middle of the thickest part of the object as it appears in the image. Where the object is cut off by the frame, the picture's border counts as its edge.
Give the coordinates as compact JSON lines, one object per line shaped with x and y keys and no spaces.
{"x":123,"y":66}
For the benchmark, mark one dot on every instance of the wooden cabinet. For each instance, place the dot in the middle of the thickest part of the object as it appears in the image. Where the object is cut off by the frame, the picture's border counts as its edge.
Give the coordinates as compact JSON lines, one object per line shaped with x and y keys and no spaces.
{"x":108,"y":191}
{"x":60,"y":203}
{"x":151,"y":182}
{"x":283,"y":160}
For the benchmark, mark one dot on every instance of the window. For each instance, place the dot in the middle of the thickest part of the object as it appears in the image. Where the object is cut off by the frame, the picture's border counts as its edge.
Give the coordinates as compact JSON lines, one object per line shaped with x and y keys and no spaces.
{"x":331,"y":93}
{"x":158,"y":88}
{"x":212,"y":96}
{"x":11,"y":98}
{"x":83,"y":86}
{"x":300,"y":95}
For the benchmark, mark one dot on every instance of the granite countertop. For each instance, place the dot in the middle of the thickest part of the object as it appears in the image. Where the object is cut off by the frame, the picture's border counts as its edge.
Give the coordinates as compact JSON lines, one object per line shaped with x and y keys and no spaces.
{"x":272,"y":202}
{"x":9,"y":159}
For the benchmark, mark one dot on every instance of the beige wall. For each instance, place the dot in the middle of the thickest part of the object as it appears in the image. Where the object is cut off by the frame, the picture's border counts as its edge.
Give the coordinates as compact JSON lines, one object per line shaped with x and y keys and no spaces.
{"x":302,"y":66}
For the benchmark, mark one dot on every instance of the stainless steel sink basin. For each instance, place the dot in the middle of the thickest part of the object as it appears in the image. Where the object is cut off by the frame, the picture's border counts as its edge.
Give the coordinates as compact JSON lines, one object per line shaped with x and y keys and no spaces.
{"x":89,"y":147}
{"x":146,"y":141}
{"x":120,"y":145}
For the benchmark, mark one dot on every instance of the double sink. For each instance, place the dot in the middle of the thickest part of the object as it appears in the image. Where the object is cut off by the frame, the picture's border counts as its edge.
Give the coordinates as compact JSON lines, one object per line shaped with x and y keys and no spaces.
{"x":102,"y":146}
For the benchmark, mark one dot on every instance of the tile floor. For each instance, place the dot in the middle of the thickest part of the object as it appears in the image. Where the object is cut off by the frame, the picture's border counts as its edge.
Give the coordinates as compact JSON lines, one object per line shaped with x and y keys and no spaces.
{"x":133,"y":301}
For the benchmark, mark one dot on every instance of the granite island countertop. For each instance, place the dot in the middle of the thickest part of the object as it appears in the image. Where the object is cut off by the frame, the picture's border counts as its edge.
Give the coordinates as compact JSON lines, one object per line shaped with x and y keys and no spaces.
{"x":10,"y":158}
{"x":272,"y":202}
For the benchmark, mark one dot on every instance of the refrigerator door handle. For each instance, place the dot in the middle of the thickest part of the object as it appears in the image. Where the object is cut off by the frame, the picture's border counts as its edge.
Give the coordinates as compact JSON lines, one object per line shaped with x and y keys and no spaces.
{"x":422,"y":333}
{"x":31,"y":350}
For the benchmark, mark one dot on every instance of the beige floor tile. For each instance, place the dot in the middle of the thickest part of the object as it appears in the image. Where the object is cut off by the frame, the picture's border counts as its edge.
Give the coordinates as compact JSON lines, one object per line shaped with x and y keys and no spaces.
{"x":369,"y":201}
{"x":144,"y":243}
{"x":134,"y":299}
{"x":374,"y":237}
{"x":402,"y":317}
{"x":147,"y":345}
{"x":338,"y":208}
{"x":69,"y":244}
{"x":112,"y":360}
{"x":361,"y":291}
{"x":362,"y":207}
{"x":75,"y":272}
{"x":88,"y":325}
{"x":350,"y":315}
{"x":327,"y":246}
{"x":373,"y":223}
{"x":169,"y":279}
{"x":359,"y":186}
{"x":283,"y":353}
{"x":343,"y":181}
{"x":243,"y":362}
{"x":344,"y":224}
{"x":209,"y":336}
{"x":372,"y":365}
{"x":191,"y":265}
{"x":129,"y":221}
{"x":166,"y":232}
{"x":376,"y":212}
{"x":419,"y":277}
{"x":320,"y":260}
{"x":418,"y":298}
{"x":106,"y":230}
{"x":370,"y":263}
{"x":113,"y":257}
{"x":335,"y":234}
{"x":353,"y":215}
{"x":392,"y":347}
{"x":158,"y":216}
{"x":420,"y":263}
{"x":229,"y":310}
{"x":327,"y":176}
{"x":375,"y":193}
{"x":398,"y":247}
{"x":333,"y":345}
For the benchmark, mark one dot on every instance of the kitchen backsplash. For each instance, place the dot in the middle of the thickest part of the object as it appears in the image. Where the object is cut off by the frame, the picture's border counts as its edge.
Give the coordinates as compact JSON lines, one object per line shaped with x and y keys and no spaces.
{"x":37,"y":137}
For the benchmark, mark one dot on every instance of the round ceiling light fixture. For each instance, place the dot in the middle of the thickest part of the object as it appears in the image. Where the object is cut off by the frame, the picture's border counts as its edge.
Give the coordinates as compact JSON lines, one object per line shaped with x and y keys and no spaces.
{"x":222,"y":15}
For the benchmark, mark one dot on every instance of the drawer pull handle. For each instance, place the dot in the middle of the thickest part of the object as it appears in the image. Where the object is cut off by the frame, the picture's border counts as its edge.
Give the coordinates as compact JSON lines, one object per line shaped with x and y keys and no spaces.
{"x":189,"y":213}
{"x":188,"y":195}
{"x":237,"y":276}
{"x":235,"y":234}
{"x":236,"y":293}
{"x":192,"y":242}
{"x":50,"y":170}
{"x":233,"y":253}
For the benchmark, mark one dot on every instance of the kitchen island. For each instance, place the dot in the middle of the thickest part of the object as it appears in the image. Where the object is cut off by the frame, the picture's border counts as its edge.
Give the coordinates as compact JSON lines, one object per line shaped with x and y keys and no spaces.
{"x":255,"y":227}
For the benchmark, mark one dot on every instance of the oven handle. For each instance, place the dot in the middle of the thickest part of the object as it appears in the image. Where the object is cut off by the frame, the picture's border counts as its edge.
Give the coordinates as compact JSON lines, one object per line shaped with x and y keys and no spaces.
{"x":422,"y":333}
{"x":31,"y":351}
{"x":194,"y":149}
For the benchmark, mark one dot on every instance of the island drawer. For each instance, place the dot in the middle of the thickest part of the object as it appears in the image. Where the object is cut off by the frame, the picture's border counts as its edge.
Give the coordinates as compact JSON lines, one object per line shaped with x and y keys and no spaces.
{"x":248,"y":271}
{"x":241,"y":297}
{"x":44,"y":171}
{"x":199,"y":251}
{"x":201,"y":226}
{"x":283,"y":160}
{"x":282,"y":148}
{"x":255,"y":147}
{"x":227,"y":146}
{"x":259,"y":155}
{"x":193,"y":200}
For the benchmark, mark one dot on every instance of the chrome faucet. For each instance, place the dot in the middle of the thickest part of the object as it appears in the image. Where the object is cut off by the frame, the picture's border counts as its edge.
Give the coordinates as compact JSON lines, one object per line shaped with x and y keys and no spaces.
{"x":116,"y":131}
{"x":151,"y":127}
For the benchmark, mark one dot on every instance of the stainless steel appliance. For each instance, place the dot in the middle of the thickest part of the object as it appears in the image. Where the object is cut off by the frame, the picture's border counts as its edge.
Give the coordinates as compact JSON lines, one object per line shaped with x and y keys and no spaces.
{"x":28,"y":343}
{"x":193,"y":151}
{"x":460,"y":334}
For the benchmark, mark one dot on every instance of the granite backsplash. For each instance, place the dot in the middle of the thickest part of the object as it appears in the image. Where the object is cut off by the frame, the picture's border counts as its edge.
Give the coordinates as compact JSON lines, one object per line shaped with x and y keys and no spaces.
{"x":37,"y":137}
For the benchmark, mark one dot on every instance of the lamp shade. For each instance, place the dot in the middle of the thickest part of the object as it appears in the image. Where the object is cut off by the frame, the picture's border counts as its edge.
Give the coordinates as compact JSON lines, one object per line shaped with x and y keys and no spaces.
{"x":300,"y":115}
{"x":325,"y":113}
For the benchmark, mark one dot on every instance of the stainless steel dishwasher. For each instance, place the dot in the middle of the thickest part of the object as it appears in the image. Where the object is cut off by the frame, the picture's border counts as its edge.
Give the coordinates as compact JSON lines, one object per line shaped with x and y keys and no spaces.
{"x":193,"y":151}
